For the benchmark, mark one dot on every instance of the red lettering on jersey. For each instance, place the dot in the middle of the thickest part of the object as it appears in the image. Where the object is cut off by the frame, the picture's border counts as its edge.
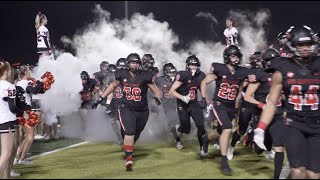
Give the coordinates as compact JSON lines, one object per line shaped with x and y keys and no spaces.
{"x":310,"y":98}
{"x":132,"y":93}
{"x":118,"y":93}
{"x":193,"y":91}
{"x":228,"y":91}
{"x":12,"y":93}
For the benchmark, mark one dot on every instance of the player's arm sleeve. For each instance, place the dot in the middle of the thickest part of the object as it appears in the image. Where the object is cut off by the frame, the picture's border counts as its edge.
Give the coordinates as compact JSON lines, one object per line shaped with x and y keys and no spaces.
{"x":117,"y":75}
{"x":151,"y":78}
{"x":212,"y":68}
{"x":13,"y":108}
{"x":275,"y":64}
{"x":181,"y":76}
{"x":46,"y":42}
{"x":35,"y":90}
{"x":253,"y":77}
{"x":93,"y":83}
{"x":156,"y":70}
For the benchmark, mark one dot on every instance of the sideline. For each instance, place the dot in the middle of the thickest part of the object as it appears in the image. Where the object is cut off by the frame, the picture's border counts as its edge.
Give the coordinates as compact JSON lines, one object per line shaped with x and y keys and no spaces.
{"x":56,"y":150}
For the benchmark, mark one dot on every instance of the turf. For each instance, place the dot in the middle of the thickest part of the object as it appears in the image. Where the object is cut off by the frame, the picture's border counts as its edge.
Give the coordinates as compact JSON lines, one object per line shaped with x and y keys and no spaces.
{"x":152,"y":160}
{"x":41,"y":146}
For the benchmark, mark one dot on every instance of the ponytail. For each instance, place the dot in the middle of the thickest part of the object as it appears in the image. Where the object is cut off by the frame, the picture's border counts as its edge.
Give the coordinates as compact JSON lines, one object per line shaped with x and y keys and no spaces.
{"x":4,"y":66}
{"x":37,"y":21}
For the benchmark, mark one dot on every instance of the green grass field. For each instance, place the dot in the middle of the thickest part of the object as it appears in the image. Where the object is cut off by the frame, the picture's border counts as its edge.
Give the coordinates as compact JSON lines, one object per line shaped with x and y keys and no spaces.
{"x":42,"y":146}
{"x":152,"y":160}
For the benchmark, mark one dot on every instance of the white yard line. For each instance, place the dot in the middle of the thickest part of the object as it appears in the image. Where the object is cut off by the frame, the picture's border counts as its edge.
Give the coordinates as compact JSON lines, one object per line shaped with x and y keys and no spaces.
{"x":56,"y":150}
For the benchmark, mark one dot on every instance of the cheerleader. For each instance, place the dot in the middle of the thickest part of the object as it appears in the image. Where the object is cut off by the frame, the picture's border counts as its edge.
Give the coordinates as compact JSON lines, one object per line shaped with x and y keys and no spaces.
{"x":8,"y":111}
{"x":43,"y":38}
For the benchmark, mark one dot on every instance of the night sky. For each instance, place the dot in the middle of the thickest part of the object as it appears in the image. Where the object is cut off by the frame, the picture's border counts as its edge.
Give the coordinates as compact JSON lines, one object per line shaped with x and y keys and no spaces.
{"x":18,"y":35}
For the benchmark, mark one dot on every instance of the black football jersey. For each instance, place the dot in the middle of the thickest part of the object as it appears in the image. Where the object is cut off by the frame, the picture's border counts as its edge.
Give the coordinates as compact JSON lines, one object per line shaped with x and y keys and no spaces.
{"x":262,"y":93}
{"x":300,"y":86}
{"x":227,"y":84}
{"x":190,"y":84}
{"x":87,"y":93}
{"x":154,"y":70}
{"x":134,"y":89}
{"x":104,"y":79}
{"x":117,"y":93}
{"x":164,"y":84}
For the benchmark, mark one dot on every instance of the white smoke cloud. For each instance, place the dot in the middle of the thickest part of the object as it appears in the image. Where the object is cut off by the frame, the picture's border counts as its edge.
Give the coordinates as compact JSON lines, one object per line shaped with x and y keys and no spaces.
{"x":213,"y":23}
{"x":251,"y":29}
{"x":110,"y":40}
{"x":208,"y":16}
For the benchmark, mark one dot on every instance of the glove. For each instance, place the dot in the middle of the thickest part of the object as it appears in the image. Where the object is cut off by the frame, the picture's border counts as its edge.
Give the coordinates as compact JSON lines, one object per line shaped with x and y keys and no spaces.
{"x":186,"y":98}
{"x":203,"y":103}
{"x":108,"y":110}
{"x":258,"y":138}
{"x":158,"y":100}
{"x":5,"y":99}
{"x":97,"y":102}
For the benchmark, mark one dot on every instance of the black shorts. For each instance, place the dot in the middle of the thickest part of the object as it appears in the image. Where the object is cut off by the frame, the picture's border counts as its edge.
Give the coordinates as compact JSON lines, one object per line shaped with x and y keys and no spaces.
{"x":171,"y":114}
{"x":8,"y":126}
{"x":132,"y":122}
{"x":114,"y":105}
{"x":276,"y":129}
{"x":35,"y":105}
{"x":191,"y":110}
{"x":302,"y":143}
{"x":223,"y":114}
{"x":245,"y":116}
{"x":42,"y":50}
{"x":267,"y":136}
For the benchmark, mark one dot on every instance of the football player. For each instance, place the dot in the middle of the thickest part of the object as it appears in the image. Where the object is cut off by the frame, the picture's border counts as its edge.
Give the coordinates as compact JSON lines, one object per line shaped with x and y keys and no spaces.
{"x":133,"y":108}
{"x":299,"y":79}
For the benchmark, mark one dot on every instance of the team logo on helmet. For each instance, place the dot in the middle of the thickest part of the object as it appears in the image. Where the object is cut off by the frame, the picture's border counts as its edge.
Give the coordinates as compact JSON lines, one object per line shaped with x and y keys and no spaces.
{"x":290,"y":74}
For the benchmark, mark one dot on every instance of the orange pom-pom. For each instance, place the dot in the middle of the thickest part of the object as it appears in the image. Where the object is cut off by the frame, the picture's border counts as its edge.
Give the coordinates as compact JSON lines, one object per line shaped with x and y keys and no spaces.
{"x":49,"y":82}
{"x":33,"y":119}
{"x":21,"y":120}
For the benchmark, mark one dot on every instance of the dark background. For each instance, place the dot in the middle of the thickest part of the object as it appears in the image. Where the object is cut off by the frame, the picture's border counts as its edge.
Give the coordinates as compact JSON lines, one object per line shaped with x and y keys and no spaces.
{"x":18,"y":36}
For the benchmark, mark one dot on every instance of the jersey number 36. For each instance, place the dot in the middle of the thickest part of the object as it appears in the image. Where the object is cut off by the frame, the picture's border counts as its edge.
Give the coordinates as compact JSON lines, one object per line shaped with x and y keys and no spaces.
{"x":132,"y":93}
